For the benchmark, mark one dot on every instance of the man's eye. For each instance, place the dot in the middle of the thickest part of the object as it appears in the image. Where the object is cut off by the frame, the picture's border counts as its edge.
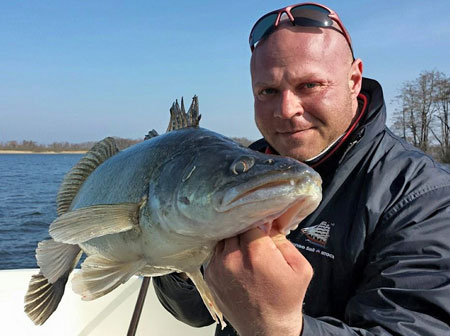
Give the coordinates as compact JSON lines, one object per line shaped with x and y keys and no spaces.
{"x":311,"y":85}
{"x":266,"y":92}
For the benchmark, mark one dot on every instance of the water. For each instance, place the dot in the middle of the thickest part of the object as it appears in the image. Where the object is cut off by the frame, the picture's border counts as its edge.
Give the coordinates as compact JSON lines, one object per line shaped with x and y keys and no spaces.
{"x":28,"y":187}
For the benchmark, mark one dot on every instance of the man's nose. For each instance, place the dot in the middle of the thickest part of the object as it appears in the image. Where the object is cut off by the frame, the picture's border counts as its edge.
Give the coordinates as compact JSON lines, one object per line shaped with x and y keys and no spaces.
{"x":289,"y":105}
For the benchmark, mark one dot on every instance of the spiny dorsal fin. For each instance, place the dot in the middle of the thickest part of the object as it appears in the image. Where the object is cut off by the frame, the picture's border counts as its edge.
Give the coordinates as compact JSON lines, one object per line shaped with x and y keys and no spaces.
{"x":73,"y":180}
{"x":151,"y":134}
{"x":180,"y":119}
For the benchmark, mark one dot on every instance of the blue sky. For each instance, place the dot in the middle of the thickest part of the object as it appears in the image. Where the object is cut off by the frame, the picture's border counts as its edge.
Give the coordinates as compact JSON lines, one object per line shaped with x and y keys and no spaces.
{"x":82,"y":70}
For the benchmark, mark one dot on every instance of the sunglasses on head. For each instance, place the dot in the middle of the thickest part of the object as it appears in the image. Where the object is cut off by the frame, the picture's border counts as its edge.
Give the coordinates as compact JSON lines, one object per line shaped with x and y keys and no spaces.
{"x":304,"y":14}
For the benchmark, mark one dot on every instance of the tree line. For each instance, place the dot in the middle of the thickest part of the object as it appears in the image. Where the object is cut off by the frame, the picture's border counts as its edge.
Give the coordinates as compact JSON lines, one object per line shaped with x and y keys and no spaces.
{"x":422,"y":116}
{"x":32,"y":146}
{"x":58,"y":147}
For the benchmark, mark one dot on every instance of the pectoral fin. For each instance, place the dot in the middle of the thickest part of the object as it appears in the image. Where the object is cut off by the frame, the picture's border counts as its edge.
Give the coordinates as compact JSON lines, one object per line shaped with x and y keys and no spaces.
{"x":100,"y":275}
{"x":205,"y":293}
{"x":80,"y":225}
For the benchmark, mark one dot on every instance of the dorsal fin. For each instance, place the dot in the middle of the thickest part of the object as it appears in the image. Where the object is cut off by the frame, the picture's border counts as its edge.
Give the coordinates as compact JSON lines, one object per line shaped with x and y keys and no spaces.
{"x":180,"y":119}
{"x":73,"y":180}
{"x":151,"y":134}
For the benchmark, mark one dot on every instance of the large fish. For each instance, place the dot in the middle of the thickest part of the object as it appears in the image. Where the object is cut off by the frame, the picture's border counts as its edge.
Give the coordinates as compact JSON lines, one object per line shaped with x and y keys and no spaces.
{"x":161,"y":206}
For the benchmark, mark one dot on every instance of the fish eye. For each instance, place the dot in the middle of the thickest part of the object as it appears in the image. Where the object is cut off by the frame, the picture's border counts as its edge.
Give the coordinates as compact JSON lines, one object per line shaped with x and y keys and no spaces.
{"x":242,"y":165}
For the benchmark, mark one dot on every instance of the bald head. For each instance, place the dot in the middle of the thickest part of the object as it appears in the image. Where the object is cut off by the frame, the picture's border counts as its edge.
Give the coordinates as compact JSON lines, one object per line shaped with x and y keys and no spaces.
{"x":321,"y":43}
{"x":305,"y":85}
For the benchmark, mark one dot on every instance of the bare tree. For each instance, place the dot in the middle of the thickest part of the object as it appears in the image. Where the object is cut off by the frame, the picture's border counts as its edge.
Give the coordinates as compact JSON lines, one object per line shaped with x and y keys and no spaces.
{"x":442,"y":102}
{"x":405,"y":121}
{"x":424,"y":103}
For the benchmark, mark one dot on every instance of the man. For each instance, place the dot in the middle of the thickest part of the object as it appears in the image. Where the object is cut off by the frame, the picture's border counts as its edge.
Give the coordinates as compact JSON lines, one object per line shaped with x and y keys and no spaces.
{"x":379,"y":243}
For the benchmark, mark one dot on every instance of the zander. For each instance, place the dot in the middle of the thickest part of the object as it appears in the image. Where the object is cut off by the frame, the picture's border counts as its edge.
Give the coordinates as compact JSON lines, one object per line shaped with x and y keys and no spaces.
{"x":161,"y":206}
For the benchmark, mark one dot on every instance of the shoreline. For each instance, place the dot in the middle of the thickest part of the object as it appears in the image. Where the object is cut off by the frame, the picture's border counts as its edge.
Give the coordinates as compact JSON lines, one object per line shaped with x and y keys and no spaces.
{"x":4,"y":151}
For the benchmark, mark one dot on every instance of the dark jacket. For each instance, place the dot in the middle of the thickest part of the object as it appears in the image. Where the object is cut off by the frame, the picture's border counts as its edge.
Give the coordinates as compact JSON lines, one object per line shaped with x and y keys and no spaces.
{"x":379,"y":242}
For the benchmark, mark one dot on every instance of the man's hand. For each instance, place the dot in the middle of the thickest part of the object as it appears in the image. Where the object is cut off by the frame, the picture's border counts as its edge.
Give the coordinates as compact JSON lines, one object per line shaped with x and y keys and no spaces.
{"x":259,"y":283}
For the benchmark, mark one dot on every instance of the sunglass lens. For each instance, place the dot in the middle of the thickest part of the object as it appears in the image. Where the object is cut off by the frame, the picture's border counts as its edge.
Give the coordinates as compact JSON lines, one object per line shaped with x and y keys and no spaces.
{"x":311,"y":16}
{"x":263,"y":27}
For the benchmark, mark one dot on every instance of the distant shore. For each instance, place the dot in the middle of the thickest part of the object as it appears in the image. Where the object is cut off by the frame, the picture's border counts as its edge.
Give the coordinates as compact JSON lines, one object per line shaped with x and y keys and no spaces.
{"x":46,"y":152}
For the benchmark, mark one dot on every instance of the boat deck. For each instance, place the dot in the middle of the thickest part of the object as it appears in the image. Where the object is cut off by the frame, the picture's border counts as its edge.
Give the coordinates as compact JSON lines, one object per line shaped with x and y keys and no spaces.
{"x":108,"y":315}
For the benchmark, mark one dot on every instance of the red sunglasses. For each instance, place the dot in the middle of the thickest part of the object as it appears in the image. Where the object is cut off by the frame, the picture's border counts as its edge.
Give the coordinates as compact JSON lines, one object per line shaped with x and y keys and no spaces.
{"x":305,"y":14}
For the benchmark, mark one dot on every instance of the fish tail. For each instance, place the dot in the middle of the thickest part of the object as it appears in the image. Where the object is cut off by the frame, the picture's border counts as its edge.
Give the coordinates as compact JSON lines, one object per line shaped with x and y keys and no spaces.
{"x":45,"y":290}
{"x":43,"y":297}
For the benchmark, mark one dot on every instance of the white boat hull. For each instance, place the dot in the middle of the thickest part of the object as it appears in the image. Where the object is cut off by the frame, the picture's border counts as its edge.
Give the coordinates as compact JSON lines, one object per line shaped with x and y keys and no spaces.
{"x":108,"y":315}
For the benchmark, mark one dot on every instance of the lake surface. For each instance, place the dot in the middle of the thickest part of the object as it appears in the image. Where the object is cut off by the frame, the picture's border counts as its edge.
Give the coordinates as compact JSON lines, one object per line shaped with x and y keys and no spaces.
{"x":28,"y":187}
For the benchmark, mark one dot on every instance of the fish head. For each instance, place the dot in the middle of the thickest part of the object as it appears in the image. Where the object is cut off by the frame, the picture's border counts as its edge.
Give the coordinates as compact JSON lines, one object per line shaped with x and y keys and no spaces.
{"x":215,"y":188}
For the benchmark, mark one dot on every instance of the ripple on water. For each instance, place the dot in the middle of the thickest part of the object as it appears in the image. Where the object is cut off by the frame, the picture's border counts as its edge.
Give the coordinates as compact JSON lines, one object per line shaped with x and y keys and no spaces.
{"x":28,"y":188}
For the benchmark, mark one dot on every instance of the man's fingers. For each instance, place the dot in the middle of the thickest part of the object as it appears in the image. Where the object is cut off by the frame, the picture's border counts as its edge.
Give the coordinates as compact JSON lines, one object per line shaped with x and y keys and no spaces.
{"x":220,"y":246}
{"x":229,"y":245}
{"x":226,"y":254}
{"x":251,"y":236}
{"x":257,"y":245}
{"x":290,"y":253}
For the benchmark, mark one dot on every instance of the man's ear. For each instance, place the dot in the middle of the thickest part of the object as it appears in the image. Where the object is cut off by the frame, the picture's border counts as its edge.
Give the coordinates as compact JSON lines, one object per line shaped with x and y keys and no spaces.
{"x":355,"y":77}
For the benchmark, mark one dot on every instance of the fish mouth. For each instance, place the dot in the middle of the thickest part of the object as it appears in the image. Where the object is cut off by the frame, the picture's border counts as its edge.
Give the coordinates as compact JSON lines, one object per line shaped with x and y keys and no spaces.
{"x":274,"y":205}
{"x":266,"y":189}
{"x":233,"y":199}
{"x":289,"y":218}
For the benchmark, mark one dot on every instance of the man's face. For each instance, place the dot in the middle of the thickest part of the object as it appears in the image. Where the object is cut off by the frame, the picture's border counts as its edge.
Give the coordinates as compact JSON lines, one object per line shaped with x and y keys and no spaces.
{"x":305,"y":88}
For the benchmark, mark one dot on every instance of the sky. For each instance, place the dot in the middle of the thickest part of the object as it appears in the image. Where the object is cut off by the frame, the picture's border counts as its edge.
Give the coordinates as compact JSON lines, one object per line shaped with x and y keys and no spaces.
{"x":81,"y":70}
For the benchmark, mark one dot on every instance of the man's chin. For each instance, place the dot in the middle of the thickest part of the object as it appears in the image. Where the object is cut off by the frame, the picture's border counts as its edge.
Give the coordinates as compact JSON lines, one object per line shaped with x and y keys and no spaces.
{"x":299,"y":154}
{"x":295,"y":149}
